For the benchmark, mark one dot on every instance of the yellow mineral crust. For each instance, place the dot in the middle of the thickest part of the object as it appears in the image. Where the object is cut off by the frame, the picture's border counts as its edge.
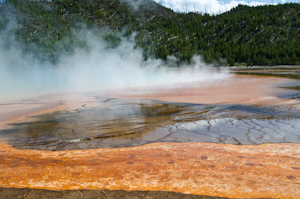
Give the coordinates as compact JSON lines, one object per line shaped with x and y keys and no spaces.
{"x":264,"y":171}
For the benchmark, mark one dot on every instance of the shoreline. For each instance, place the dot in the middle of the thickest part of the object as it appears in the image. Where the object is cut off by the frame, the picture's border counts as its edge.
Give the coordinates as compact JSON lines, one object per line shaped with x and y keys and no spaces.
{"x":206,"y":93}
{"x":207,"y":169}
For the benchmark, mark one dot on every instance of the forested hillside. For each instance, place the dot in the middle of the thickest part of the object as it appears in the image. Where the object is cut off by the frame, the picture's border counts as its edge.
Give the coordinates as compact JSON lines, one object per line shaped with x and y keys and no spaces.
{"x":264,"y":35}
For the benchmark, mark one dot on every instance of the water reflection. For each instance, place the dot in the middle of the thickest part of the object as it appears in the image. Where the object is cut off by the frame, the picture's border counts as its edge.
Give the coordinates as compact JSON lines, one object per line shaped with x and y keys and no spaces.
{"x":123,"y":123}
{"x":235,"y":131}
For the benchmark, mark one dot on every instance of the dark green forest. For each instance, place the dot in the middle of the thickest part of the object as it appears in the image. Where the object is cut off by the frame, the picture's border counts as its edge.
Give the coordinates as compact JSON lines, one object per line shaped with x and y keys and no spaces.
{"x":263,"y":35}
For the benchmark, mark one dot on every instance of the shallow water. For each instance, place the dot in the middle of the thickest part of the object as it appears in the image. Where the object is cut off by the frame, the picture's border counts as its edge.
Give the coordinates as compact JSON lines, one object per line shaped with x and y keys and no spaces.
{"x":123,"y":122}
{"x":254,"y":112}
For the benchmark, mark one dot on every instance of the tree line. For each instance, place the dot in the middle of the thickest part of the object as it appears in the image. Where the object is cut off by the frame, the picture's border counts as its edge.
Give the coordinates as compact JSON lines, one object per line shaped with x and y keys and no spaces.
{"x":263,"y":35}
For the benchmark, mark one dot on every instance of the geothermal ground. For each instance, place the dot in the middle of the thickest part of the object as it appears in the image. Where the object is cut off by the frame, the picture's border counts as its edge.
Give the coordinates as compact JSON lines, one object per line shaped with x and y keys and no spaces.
{"x":237,"y":137}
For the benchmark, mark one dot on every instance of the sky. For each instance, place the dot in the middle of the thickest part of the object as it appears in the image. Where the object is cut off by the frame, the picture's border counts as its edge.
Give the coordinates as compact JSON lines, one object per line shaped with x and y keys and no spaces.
{"x":215,"y":6}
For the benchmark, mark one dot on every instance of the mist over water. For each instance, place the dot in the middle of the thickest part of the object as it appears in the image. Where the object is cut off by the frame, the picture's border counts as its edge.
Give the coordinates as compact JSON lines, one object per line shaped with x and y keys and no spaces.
{"x":93,"y":68}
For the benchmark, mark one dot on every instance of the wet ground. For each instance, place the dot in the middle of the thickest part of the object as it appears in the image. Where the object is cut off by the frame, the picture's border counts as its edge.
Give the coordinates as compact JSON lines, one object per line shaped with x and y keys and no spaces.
{"x":180,"y":156}
{"x":124,"y":122}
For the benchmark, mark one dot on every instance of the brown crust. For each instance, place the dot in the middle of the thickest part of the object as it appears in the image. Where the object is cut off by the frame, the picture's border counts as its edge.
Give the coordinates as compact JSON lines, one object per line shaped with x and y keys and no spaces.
{"x":265,"y":171}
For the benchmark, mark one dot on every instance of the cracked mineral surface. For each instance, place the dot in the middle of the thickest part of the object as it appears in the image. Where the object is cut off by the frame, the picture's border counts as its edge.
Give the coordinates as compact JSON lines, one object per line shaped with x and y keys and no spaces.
{"x":218,"y":140}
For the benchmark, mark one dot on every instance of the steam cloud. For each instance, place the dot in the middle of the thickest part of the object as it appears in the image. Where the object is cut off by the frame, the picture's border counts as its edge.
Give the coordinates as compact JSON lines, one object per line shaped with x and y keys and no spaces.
{"x":88,"y":69}
{"x":134,"y":3}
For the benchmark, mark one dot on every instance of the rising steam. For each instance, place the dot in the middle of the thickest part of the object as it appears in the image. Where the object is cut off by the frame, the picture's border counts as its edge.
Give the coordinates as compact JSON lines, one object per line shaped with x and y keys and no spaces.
{"x":135,"y":4}
{"x":92,"y":68}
